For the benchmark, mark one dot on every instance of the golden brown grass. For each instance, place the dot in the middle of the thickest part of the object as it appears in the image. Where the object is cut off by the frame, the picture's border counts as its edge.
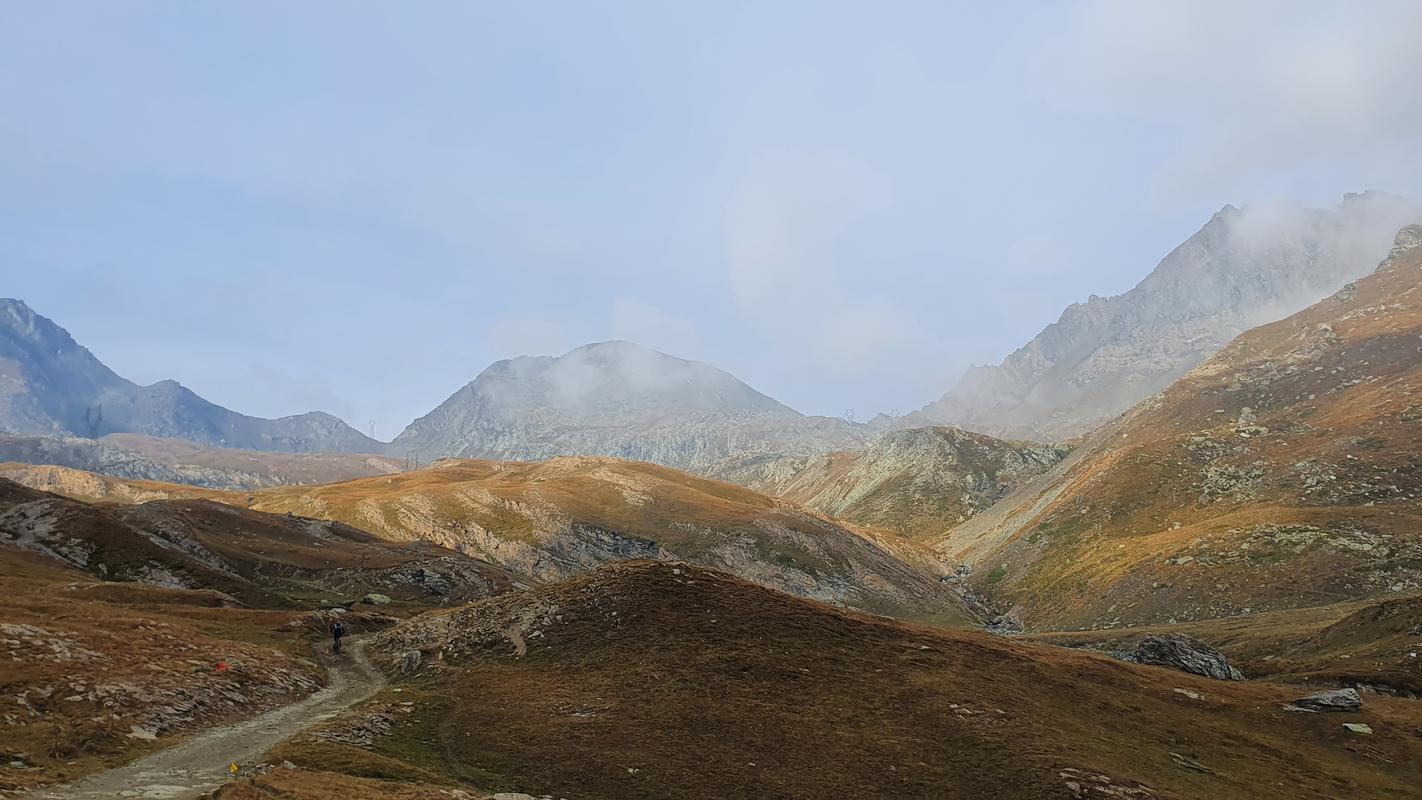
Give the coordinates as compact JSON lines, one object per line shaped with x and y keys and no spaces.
{"x":671,"y":681}
{"x":1191,"y":508}
{"x":157,"y":641}
{"x":288,"y":784}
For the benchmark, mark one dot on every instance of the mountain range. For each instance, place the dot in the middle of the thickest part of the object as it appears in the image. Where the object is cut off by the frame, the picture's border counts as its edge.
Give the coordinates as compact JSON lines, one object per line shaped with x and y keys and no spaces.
{"x":605,"y":627}
{"x":50,"y":384}
{"x":1244,"y":268}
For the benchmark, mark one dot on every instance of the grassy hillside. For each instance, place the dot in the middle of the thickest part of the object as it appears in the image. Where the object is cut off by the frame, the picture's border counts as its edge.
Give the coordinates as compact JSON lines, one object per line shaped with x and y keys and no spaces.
{"x":554,"y":519}
{"x":254,"y":558}
{"x":1283,"y":472}
{"x":919,"y":483}
{"x":655,"y":680}
{"x":1374,"y":644}
{"x":127,"y":625}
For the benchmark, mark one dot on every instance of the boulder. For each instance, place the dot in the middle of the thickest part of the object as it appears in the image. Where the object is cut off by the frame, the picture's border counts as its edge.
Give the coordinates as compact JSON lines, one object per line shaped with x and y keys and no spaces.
{"x":1186,"y":654}
{"x":1005,"y":625}
{"x":1331,"y":700}
{"x":411,"y":661}
{"x":374,"y":599}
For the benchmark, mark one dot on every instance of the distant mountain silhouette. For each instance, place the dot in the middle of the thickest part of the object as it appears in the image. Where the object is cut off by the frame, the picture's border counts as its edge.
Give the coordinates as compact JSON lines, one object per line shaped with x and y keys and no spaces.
{"x":50,"y":384}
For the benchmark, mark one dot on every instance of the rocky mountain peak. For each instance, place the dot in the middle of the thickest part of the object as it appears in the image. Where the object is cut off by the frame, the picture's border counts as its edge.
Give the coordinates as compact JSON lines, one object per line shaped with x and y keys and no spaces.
{"x":1245,"y":267}
{"x":612,"y":398}
{"x":21,"y":327}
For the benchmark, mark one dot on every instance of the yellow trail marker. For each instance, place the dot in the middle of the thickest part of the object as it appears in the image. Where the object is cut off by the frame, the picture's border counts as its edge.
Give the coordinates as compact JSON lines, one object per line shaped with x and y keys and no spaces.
{"x":232,"y":768}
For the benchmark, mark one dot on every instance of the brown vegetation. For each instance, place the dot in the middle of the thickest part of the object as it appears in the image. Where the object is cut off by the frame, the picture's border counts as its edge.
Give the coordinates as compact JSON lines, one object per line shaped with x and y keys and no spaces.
{"x":1281,"y":473}
{"x":646,"y":679}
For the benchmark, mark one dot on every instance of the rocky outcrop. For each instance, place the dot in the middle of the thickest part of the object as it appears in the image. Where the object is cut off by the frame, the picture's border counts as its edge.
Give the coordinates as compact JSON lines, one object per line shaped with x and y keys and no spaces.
{"x":919,"y":483}
{"x":1186,"y":654}
{"x":1333,"y":700}
{"x":50,"y":385}
{"x":1244,"y":268}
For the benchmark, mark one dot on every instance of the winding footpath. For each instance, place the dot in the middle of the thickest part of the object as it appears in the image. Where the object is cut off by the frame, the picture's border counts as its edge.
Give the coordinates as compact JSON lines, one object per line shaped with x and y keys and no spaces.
{"x":199,"y":764}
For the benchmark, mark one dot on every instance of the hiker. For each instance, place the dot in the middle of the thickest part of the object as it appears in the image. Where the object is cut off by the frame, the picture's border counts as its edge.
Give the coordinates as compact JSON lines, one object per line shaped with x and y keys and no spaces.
{"x":338,"y":629}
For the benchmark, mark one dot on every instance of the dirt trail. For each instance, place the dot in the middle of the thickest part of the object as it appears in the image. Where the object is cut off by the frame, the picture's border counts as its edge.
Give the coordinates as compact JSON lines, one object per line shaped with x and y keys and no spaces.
{"x":199,"y":764}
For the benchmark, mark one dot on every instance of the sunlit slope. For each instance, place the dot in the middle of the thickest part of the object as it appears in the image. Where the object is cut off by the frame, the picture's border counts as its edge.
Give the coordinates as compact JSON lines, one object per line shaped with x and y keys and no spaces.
{"x":255,"y":558}
{"x":553,"y":519}
{"x":920,"y":483}
{"x":1283,"y":472}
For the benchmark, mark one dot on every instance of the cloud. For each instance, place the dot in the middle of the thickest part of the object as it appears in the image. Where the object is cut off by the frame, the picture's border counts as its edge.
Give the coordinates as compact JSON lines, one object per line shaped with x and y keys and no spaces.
{"x":787,"y":218}
{"x":290,"y":393}
{"x":646,"y":324}
{"x":1252,"y":89}
{"x":511,"y":335}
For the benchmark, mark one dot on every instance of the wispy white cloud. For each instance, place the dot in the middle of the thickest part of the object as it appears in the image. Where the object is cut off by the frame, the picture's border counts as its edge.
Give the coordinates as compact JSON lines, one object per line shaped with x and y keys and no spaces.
{"x":647,"y":324}
{"x":788,"y":213}
{"x":1249,"y":90}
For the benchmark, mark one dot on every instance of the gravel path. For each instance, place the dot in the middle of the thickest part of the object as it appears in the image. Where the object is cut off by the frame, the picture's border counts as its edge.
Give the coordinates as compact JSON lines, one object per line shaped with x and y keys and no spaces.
{"x":200,"y":764}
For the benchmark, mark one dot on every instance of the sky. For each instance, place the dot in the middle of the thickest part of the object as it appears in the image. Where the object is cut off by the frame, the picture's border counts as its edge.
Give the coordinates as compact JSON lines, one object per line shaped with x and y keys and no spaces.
{"x":356,"y":207}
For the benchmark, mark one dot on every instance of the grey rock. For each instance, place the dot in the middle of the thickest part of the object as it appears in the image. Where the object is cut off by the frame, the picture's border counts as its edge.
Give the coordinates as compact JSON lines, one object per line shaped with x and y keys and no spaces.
{"x":411,"y":661}
{"x":1408,"y":237}
{"x":1188,"y":763}
{"x":1005,"y":625}
{"x":1186,"y":654}
{"x":933,"y":472}
{"x":616,"y":399}
{"x":1244,"y":268}
{"x":1346,"y":700}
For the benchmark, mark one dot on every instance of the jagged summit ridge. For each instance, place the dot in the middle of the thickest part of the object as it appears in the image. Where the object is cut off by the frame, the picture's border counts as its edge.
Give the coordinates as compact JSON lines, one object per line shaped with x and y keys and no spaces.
{"x":1243,"y":268}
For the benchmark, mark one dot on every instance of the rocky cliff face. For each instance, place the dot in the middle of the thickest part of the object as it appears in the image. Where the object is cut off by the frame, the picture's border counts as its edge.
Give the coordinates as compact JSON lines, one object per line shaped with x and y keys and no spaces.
{"x":50,"y":384}
{"x":919,"y":482}
{"x":1242,"y":269}
{"x":616,"y":399}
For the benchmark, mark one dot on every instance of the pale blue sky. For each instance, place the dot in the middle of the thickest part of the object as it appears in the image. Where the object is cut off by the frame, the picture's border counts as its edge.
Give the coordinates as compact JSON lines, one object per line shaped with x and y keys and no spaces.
{"x":357,"y":206}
